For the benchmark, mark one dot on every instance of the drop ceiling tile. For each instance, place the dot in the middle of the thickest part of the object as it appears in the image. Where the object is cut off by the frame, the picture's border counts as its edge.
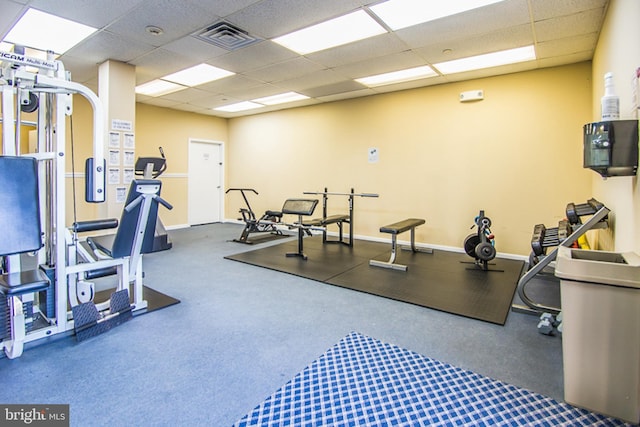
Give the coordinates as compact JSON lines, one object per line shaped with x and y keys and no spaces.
{"x":573,"y":58}
{"x":373,"y":47}
{"x":158,"y":63}
{"x":507,"y":38}
{"x":223,"y":8}
{"x":576,"y":24}
{"x":259,"y":90}
{"x":95,"y":13}
{"x":11,"y":12}
{"x":313,"y":79}
{"x":273,"y":18}
{"x":333,"y":89}
{"x":214,"y":101}
{"x":188,"y":107}
{"x":545,"y":9}
{"x":385,"y":64}
{"x":195,"y":49}
{"x":105,"y":45}
{"x":176,"y":18}
{"x":284,"y":70}
{"x":467,"y":25}
{"x":187,"y":95}
{"x":230,"y":84}
{"x":429,"y":81}
{"x":567,"y":46}
{"x":254,"y":56}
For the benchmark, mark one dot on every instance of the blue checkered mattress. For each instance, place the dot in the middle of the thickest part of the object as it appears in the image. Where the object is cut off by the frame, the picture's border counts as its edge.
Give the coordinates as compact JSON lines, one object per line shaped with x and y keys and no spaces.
{"x":364,"y":382}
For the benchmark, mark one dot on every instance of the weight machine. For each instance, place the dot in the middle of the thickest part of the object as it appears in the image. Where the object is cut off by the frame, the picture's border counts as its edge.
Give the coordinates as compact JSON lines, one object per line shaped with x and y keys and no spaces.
{"x":42,"y":276}
{"x":266,"y":224}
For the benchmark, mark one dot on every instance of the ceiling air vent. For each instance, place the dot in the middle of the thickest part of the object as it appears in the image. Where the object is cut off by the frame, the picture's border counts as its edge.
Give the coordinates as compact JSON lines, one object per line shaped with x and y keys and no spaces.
{"x":226,"y":36}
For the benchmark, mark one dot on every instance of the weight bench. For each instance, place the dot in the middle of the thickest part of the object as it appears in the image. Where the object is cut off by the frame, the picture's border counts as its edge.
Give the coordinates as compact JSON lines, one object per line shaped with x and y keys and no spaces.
{"x":395,"y":229}
{"x":338,"y":219}
{"x":300,"y":207}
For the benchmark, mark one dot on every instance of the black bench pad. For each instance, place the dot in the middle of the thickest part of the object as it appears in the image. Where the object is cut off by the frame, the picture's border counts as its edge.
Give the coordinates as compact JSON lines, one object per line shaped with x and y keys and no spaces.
{"x":333,"y":219}
{"x":23,"y":282}
{"x":299,"y":206}
{"x":402,"y":226}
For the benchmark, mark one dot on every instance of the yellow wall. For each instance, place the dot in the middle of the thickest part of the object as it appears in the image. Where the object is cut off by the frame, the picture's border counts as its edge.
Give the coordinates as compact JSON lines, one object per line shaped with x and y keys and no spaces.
{"x":155,"y":127}
{"x":171,"y":130}
{"x":517,"y":154}
{"x":618,"y":51}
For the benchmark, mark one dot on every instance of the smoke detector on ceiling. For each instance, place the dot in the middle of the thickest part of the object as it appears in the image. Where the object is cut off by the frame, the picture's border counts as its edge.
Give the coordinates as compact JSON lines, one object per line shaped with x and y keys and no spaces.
{"x":226,"y":36}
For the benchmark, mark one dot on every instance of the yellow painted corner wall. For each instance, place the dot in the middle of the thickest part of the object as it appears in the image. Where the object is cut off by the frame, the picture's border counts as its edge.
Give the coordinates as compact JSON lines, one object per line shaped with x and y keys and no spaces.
{"x":618,"y":51}
{"x":171,"y":130}
{"x":517,"y":154}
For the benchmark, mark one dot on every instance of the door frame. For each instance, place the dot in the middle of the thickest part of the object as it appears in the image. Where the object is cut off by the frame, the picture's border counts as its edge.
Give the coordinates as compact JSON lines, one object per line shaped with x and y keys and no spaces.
{"x":221,"y":149}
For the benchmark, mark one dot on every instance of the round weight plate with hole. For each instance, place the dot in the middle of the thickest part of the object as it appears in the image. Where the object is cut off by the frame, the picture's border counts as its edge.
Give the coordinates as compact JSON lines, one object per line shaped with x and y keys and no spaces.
{"x":485,"y":251}
{"x":470,"y":244}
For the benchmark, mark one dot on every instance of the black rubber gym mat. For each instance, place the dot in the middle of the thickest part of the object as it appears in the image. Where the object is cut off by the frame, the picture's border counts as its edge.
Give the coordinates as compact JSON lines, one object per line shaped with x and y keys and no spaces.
{"x":446,"y":281}
{"x":155,"y":300}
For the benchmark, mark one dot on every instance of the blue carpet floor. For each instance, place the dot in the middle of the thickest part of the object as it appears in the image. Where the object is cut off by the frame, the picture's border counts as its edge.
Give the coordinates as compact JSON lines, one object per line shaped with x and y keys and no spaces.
{"x":365,"y":382}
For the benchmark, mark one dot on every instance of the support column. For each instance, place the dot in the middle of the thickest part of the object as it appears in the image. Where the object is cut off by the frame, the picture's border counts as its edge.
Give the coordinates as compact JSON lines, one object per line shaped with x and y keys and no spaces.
{"x":116,"y":89}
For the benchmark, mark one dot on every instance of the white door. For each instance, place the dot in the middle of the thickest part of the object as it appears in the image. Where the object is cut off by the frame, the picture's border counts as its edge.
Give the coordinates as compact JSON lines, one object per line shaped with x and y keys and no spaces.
{"x":205,"y":181}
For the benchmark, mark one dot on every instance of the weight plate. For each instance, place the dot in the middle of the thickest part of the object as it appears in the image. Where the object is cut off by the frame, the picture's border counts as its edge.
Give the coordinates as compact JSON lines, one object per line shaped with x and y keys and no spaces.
{"x":470,"y":244}
{"x":485,"y":251}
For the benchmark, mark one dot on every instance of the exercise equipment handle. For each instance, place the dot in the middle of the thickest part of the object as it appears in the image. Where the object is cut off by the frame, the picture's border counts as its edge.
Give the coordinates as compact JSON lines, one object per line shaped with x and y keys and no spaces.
{"x":163,"y":202}
{"x":241,"y":190}
{"x":100,"y":224}
{"x":135,"y":202}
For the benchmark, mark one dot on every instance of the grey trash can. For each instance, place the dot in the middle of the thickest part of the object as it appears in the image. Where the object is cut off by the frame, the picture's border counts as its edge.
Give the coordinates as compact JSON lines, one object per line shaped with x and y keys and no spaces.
{"x":600,"y":295}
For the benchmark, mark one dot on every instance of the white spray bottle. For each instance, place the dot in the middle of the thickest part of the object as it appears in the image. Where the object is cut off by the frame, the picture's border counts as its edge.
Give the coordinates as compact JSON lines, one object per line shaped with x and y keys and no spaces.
{"x":610,"y":101}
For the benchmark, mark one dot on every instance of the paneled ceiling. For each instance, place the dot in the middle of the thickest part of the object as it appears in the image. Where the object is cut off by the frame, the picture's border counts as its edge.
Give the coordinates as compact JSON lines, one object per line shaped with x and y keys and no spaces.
{"x":562,"y":31}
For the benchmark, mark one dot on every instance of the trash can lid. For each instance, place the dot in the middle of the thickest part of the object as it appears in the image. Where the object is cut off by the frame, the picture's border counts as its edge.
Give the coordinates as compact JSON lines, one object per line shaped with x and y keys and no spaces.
{"x":599,"y":267}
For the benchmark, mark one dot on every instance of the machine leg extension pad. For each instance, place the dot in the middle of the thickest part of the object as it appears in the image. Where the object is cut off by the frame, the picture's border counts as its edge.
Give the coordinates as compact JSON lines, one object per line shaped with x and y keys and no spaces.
{"x":88,"y":322}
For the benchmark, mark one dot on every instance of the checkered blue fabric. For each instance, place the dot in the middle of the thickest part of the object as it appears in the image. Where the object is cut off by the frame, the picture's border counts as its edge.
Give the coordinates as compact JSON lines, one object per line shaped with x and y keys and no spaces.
{"x":364,"y":382}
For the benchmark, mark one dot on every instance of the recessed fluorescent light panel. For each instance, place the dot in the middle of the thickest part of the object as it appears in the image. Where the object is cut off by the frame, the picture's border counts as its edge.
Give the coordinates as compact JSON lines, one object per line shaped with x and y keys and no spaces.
{"x":398,"y":76}
{"x":240,"y":106}
{"x":399,"y":14}
{"x":158,"y":88}
{"x":281,"y":98}
{"x":43,"y":31}
{"x":197,"y":75}
{"x":345,"y":29}
{"x":494,"y":59}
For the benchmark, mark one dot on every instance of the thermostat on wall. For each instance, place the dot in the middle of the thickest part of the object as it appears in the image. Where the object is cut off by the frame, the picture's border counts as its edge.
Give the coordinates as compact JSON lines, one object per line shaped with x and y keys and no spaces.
{"x":471,"y":95}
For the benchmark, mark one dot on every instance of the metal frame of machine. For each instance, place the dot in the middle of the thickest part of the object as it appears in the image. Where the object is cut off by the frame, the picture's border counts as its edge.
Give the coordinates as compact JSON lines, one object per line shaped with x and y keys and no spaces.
{"x":24,"y":81}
